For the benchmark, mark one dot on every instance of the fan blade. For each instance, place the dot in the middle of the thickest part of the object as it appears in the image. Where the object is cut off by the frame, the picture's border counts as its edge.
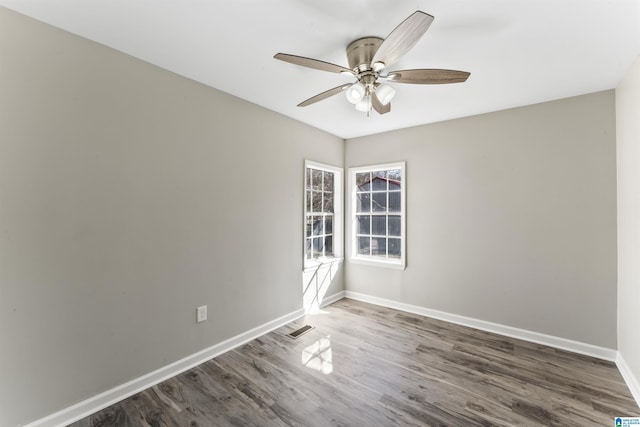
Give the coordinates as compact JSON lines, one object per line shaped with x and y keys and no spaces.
{"x":313,"y":63}
{"x":379,"y":106}
{"x":402,"y":39}
{"x":324,"y":95}
{"x":428,"y":76}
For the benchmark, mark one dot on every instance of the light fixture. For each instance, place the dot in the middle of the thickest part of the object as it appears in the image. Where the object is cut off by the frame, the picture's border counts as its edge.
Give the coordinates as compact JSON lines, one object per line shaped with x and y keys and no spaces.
{"x":385,"y":94}
{"x":364,"y":105}
{"x":356,"y":92}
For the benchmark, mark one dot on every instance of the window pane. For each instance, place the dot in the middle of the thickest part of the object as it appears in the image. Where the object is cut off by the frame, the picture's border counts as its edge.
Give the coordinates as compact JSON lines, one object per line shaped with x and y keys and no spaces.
{"x":394,"y":201}
{"x":395,"y":248}
{"x":327,"y":202}
{"x":364,"y":202}
{"x":328,"y":181}
{"x":307,"y":250}
{"x":328,"y":246}
{"x":308,"y":226}
{"x":394,"y":226}
{"x":379,"y":225}
{"x":317,"y":225}
{"x":364,"y":224}
{"x":328,"y":225}
{"x":363,"y":245}
{"x":380,"y":220}
{"x":380,"y":181}
{"x":321,"y":186}
{"x":316,"y":179}
{"x":379,"y":174}
{"x":379,"y":202}
{"x":394,"y":175}
{"x":363,"y":181}
{"x":316,"y":201}
{"x":378,"y":246}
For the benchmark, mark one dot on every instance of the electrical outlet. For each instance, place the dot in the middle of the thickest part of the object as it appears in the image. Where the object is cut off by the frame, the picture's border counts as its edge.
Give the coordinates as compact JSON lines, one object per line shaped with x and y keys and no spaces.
{"x":201,"y":314}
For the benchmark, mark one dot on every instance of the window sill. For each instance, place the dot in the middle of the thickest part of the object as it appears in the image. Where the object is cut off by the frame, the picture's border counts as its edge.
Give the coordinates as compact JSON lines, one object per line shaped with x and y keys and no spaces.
{"x":321,"y":263}
{"x":395,"y":265}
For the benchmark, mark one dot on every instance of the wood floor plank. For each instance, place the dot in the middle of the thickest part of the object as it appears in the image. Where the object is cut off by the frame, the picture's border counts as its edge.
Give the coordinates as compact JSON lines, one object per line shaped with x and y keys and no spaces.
{"x":366,"y":365}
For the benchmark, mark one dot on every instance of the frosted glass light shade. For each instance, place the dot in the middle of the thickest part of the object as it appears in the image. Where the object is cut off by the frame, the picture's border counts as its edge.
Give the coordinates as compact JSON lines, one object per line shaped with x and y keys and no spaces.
{"x":364,"y":105}
{"x":385,"y":94}
{"x":355,"y":93}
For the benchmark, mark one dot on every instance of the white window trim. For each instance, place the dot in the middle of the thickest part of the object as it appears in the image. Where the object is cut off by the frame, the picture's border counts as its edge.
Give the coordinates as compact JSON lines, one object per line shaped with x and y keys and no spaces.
{"x":338,"y":216}
{"x":353,"y":255}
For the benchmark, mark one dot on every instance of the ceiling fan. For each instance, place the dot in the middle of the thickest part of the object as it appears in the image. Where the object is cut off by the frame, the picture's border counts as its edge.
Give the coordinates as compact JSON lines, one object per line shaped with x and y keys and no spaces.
{"x":368,"y":59}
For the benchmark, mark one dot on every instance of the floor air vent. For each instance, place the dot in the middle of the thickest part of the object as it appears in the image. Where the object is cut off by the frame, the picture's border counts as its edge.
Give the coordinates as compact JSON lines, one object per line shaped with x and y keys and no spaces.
{"x":297,"y":333}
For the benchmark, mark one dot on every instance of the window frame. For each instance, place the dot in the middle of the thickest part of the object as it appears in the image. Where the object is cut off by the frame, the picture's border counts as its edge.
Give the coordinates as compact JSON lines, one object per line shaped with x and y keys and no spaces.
{"x":338,"y":215}
{"x":356,"y":258}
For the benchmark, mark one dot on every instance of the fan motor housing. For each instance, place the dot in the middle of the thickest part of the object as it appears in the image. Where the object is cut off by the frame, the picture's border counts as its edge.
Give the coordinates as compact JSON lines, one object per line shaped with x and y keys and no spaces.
{"x":360,"y":52}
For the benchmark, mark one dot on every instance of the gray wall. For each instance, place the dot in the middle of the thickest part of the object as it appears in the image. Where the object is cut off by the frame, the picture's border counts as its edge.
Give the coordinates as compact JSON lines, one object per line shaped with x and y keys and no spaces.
{"x":628,"y":151}
{"x":511,"y":218}
{"x":129,"y":196}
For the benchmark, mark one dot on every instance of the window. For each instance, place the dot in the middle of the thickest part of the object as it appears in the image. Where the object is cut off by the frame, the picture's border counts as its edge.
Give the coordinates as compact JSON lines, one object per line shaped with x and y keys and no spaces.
{"x":323,"y":213}
{"x":378,"y":214}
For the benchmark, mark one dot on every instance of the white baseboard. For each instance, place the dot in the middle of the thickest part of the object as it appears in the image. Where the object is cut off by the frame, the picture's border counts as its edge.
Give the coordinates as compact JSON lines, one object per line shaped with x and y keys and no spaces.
{"x":110,"y":397}
{"x":536,"y":337}
{"x":561,"y":343}
{"x":121,"y":392}
{"x":629,"y":378}
{"x":114,"y":395}
{"x":333,"y":298}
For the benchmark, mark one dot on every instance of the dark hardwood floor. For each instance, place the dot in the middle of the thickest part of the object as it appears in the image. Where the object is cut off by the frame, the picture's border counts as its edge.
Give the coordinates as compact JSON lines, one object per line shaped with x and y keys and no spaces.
{"x":364,"y":365}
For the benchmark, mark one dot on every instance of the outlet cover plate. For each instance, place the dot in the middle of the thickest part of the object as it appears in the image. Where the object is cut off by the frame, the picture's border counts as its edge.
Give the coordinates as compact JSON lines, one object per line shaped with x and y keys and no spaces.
{"x":201,"y":314}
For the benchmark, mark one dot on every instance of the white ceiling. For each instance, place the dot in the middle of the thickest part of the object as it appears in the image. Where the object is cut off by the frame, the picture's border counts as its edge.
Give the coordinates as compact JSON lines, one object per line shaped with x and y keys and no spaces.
{"x":519,"y":52}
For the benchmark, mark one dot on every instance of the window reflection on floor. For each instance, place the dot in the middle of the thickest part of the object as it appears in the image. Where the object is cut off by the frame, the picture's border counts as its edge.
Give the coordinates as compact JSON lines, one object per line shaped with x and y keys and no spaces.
{"x":318,"y":356}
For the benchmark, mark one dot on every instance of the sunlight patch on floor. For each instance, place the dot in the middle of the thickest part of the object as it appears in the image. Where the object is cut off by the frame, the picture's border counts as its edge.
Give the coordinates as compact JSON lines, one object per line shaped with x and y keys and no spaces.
{"x":318,"y":356}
